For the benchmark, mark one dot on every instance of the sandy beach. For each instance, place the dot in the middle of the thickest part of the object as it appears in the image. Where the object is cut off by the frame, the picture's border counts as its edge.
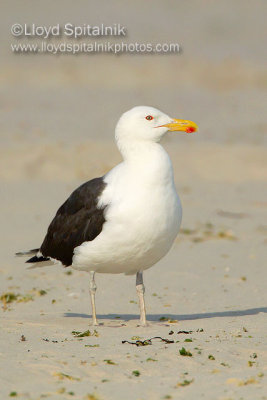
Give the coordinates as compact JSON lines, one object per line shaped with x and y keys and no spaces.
{"x":206,"y":300}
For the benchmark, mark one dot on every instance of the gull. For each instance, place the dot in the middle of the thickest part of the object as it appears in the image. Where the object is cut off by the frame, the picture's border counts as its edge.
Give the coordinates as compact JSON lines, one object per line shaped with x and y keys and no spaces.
{"x":126,"y":220}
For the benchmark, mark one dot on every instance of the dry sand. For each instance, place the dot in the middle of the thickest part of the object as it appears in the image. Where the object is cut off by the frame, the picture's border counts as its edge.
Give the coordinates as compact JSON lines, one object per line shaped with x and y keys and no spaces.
{"x":57,"y":121}
{"x":213,"y":279}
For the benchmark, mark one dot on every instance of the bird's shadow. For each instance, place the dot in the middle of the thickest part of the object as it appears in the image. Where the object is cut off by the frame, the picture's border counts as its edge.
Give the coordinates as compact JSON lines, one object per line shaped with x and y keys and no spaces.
{"x":179,"y":317}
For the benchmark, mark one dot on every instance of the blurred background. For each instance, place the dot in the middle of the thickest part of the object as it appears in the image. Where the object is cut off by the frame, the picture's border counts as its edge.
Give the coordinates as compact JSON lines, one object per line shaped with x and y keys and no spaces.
{"x":219,"y":79}
{"x":58,"y":112}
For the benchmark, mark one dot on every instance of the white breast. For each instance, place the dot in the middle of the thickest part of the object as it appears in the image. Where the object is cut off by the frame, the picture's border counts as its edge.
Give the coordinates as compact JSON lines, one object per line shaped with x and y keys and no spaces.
{"x":143,"y":217}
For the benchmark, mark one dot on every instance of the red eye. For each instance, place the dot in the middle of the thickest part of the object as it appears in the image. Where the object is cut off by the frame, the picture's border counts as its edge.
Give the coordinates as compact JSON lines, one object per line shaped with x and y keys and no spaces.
{"x":149,"y":117}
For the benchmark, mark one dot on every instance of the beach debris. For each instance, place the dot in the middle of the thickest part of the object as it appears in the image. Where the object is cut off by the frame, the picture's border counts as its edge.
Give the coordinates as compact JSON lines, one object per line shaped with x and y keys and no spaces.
{"x":185,"y":332}
{"x":184,"y":352}
{"x":10,"y":297}
{"x":211,"y":357}
{"x":91,"y":396}
{"x":225,"y":364}
{"x":53,"y":341}
{"x":241,"y":382}
{"x":147,"y":342}
{"x":85,"y":333}
{"x":136,"y":373}
{"x":61,"y":376}
{"x":169,"y":320}
{"x":138,"y":342}
{"x":250,"y":363}
{"x":110,"y":362}
{"x":23,"y":338}
{"x":185,"y":382}
{"x":187,"y":231}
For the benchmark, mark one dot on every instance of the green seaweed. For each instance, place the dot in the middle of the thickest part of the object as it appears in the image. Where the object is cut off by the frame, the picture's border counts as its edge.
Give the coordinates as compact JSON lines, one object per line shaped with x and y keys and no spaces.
{"x":110,"y":362}
{"x":186,"y":382}
{"x":184,"y":352}
{"x":79,"y":334}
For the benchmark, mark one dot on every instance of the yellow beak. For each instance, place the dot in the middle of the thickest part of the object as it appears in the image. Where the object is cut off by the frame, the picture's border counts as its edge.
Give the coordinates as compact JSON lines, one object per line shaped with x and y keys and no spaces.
{"x":182,"y":125}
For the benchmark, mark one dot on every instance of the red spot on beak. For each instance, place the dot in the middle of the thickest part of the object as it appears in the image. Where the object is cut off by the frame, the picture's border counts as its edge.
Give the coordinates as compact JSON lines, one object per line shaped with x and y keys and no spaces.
{"x":190,"y":129}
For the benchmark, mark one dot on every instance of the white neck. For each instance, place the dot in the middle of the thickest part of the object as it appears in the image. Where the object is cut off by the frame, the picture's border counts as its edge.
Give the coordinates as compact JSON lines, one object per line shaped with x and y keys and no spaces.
{"x":132,"y":149}
{"x":147,"y":157}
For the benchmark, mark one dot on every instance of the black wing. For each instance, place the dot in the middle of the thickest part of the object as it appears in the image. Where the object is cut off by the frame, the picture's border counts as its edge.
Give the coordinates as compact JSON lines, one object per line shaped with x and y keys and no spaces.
{"x":78,"y":220}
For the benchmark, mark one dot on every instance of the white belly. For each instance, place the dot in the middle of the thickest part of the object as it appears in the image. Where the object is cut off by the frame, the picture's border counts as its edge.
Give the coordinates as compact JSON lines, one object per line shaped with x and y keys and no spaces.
{"x":143,"y":217}
{"x":137,"y":233}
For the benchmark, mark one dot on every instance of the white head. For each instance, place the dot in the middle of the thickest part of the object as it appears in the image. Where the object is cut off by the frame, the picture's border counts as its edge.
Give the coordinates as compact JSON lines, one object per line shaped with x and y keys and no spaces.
{"x":144,"y":123}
